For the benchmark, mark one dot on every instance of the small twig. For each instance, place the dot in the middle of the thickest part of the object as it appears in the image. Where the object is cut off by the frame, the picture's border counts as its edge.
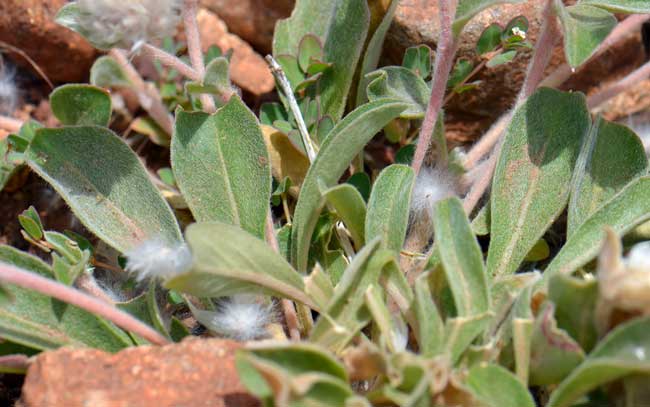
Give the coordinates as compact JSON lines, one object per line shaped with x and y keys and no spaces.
{"x":170,"y":61}
{"x":29,"y":60}
{"x":618,"y":34}
{"x":481,"y":185}
{"x":107,"y":266}
{"x":485,"y":144}
{"x":9,"y":124}
{"x":32,"y":281}
{"x":446,"y":49}
{"x":638,"y":75}
{"x":194,"y":49}
{"x":288,"y":307}
{"x":475,"y":71}
{"x":279,"y":75}
{"x":148,"y":96}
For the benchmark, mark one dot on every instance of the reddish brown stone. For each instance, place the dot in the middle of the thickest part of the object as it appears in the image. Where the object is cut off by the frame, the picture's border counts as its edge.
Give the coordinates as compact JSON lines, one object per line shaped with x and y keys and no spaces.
{"x":29,"y":25}
{"x":195,"y":372}
{"x":248,"y":69}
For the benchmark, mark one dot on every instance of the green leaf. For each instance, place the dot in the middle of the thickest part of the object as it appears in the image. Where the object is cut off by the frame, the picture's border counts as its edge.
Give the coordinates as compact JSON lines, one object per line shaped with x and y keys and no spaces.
{"x":553,"y":353}
{"x":221,"y":166}
{"x":309,"y":48}
{"x":397,"y":82}
{"x":622,"y":213}
{"x":461,"y":258}
{"x":389,"y":205}
{"x":104,"y":183}
{"x":361,"y":181}
{"x":342,"y":26}
{"x":351,"y":208}
{"x":585,"y":27}
{"x":497,"y":387}
{"x":227,"y":260}
{"x":147,"y":126}
{"x":501,"y":59}
{"x":461,"y":70}
{"x":106,"y":72}
{"x":621,"y":6}
{"x":216,"y":80}
{"x":490,"y":39}
{"x":81,"y":105}
{"x":38,"y":321}
{"x":418,"y":60}
{"x":532,"y":179}
{"x":460,"y":332}
{"x":342,"y":144}
{"x":31,"y":222}
{"x":299,"y":358}
{"x":469,"y":8}
{"x":611,"y":157}
{"x":430,"y":329}
{"x":373,"y":52}
{"x":622,"y":352}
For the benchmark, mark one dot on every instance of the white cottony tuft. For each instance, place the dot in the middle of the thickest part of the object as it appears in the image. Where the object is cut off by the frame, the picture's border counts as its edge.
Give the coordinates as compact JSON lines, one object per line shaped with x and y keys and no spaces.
{"x":400,"y":334}
{"x":8,"y":90}
{"x":156,"y":258}
{"x":127,"y":24}
{"x":432,"y":185}
{"x":242,"y":318}
{"x":639,"y":257}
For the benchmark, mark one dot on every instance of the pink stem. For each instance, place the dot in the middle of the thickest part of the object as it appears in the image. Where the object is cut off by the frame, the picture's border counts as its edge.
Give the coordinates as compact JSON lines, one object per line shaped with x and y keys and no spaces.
{"x":171,"y":61}
{"x":31,"y":281}
{"x":15,"y":362}
{"x":10,"y":124}
{"x":618,"y":34}
{"x":624,"y":84}
{"x":446,"y":49}
{"x":194,"y":48}
{"x":288,"y":307}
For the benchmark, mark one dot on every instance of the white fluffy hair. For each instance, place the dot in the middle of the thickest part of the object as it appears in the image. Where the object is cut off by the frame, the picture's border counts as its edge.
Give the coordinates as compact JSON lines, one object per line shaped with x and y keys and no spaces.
{"x":156,"y":258}
{"x":127,"y":24}
{"x":8,"y":90}
{"x":431,"y":185}
{"x":638,"y":257}
{"x":242,"y":317}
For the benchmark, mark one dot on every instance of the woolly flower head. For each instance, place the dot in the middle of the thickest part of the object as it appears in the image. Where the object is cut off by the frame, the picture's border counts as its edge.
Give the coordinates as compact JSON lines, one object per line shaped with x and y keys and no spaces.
{"x":638,"y":258}
{"x":242,"y":318}
{"x":8,"y":90}
{"x":156,"y":258}
{"x":432,"y":185}
{"x":126,"y":24}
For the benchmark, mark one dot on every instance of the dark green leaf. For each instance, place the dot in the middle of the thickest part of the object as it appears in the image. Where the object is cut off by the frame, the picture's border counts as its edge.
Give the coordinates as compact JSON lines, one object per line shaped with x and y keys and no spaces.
{"x":490,"y":39}
{"x":461,"y":70}
{"x":81,"y":105}
{"x":351,"y":208}
{"x":418,"y":59}
{"x":501,"y":59}
{"x":31,"y":222}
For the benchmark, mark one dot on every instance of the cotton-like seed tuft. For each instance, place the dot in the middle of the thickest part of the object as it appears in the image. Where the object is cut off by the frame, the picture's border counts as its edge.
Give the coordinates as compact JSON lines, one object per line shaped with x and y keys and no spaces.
{"x":8,"y":91}
{"x":638,"y":258}
{"x":432,"y":185}
{"x":127,"y":24}
{"x":156,"y":258}
{"x":242,"y":318}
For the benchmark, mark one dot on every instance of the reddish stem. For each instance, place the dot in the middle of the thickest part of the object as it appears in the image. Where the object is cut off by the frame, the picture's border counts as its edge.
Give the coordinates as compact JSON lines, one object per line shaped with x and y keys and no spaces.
{"x":444,"y":61}
{"x":32,"y":281}
{"x":638,"y":75}
{"x":10,"y":124}
{"x":171,"y":61}
{"x":194,"y":48}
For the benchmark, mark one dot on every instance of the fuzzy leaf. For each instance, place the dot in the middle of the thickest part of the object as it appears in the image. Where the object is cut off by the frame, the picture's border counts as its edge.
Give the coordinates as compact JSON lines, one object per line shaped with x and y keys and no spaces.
{"x":497,"y":387}
{"x":624,"y":211}
{"x":351,"y":208}
{"x":622,"y":352}
{"x":227,"y":261}
{"x":418,"y":60}
{"x":38,"y":321}
{"x":81,"y":105}
{"x":467,"y":9}
{"x":585,"y":27}
{"x":342,"y":26}
{"x":490,"y":38}
{"x":501,"y":59}
{"x":400,"y":83}
{"x":107,"y":73}
{"x":430,"y":330}
{"x":104,"y":183}
{"x":532,"y":179}
{"x":222,"y":167}
{"x":342,"y":144}
{"x":611,"y":157}
{"x":389,"y":205}
{"x":621,"y":6}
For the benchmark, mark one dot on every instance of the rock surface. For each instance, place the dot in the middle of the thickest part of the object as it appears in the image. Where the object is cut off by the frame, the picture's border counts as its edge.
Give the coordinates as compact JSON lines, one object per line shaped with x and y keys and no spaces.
{"x":195,"y":372}
{"x":29,"y":26}
{"x":248,"y":69}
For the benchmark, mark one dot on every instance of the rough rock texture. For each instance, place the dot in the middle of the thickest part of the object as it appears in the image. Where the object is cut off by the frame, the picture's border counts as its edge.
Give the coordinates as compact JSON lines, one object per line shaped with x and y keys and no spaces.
{"x":252,"y":20}
{"x":196,"y":372}
{"x":29,"y":26}
{"x":248,"y":69}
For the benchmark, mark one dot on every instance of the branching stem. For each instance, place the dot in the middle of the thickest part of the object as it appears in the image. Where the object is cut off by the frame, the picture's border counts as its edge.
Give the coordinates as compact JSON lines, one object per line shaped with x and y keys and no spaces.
{"x":638,"y":75}
{"x":194,"y":49}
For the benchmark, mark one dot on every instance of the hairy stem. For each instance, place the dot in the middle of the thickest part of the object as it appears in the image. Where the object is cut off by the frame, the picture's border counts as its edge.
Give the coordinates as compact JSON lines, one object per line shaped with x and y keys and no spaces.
{"x":148,"y":96}
{"x":285,"y":86}
{"x":9,"y":124}
{"x":640,"y":74}
{"x":446,"y":48}
{"x":288,"y":307}
{"x":170,"y":61}
{"x":622,"y":30}
{"x":32,"y":281}
{"x":194,"y":48}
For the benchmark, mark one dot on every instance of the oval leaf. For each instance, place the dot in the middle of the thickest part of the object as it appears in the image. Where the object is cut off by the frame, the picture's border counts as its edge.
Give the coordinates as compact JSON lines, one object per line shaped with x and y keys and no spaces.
{"x":105,"y":185}
{"x":81,"y":105}
{"x":497,"y":387}
{"x":400,"y":83}
{"x":533,"y":174}
{"x":351,"y":208}
{"x":221,"y":166}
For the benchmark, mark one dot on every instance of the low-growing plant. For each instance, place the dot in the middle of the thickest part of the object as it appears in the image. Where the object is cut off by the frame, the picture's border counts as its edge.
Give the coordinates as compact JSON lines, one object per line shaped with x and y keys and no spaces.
{"x":493,"y":276}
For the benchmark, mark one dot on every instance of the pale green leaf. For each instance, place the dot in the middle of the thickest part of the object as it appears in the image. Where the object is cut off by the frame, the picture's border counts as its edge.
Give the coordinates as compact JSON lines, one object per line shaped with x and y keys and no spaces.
{"x":81,"y":105}
{"x":106,"y":72}
{"x":467,"y":9}
{"x":621,"y":6}
{"x":497,"y":387}
{"x":400,"y":83}
{"x":351,"y":208}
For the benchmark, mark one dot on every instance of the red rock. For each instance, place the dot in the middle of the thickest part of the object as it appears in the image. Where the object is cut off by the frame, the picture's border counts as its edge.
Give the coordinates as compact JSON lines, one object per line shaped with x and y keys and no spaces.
{"x":195,"y":372}
{"x":248,"y":69}
{"x":29,"y":25}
